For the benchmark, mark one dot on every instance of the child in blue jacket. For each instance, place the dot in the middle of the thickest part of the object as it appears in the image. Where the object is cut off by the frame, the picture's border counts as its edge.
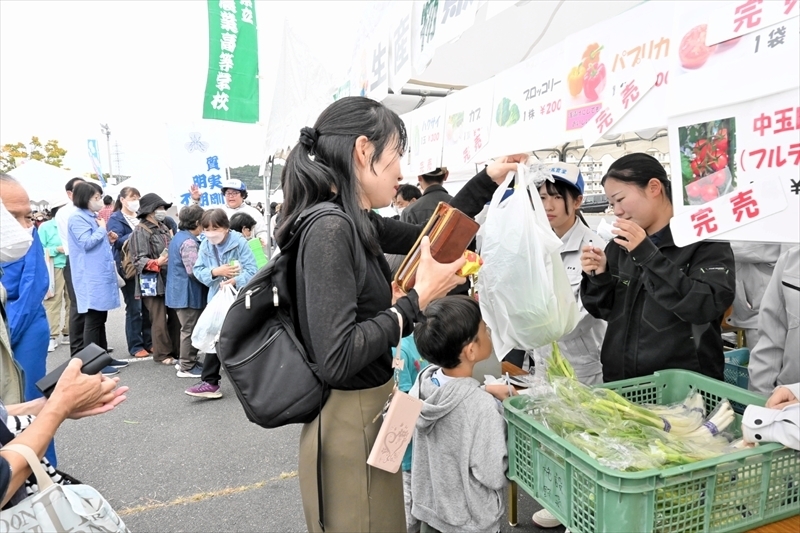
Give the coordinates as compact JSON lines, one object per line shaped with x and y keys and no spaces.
{"x":224,"y":259}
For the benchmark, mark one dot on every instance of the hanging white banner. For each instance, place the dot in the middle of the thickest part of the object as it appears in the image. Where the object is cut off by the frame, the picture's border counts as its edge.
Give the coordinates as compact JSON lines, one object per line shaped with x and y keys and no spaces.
{"x":454,"y":18}
{"x":468,"y":125}
{"x":426,"y":137}
{"x":724,"y":151}
{"x":735,"y":19}
{"x":632,"y":85}
{"x":400,"y":67}
{"x":197,"y":159}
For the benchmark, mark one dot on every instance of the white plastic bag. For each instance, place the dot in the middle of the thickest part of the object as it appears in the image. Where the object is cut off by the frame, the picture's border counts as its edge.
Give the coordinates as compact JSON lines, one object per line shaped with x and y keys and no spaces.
{"x":525,"y":295}
{"x":206,"y":331}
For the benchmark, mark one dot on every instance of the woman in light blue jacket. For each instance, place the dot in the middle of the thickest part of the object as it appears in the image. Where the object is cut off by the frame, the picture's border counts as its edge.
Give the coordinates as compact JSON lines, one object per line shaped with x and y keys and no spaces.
{"x":214,"y":269}
{"x":94,"y":276}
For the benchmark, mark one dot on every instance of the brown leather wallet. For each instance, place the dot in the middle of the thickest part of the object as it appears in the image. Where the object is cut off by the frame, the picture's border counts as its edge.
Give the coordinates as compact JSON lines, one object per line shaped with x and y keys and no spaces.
{"x":450,"y":232}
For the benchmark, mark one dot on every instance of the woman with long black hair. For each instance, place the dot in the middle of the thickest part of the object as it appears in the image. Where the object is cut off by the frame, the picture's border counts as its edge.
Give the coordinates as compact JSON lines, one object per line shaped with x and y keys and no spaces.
{"x":351,"y":157}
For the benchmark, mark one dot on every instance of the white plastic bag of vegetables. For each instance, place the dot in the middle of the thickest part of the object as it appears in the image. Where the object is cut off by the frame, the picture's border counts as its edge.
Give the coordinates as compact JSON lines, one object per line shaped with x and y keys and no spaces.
{"x":525,"y":296}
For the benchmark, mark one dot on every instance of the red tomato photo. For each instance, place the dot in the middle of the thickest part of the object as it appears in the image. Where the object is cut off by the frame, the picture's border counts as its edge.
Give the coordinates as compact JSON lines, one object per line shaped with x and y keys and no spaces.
{"x":693,"y":51}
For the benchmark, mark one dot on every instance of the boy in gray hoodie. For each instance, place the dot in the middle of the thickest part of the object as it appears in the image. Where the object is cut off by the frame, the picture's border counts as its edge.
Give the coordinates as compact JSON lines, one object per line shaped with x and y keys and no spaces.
{"x":458,"y":477}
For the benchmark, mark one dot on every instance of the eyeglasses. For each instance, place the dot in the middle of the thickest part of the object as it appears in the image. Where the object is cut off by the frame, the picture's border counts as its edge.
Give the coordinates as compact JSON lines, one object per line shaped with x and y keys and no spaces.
{"x":232,"y":192}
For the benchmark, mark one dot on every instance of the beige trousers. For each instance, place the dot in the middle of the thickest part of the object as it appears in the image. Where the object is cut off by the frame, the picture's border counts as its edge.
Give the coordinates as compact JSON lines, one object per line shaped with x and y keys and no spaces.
{"x":52,"y":306}
{"x":356,"y":497}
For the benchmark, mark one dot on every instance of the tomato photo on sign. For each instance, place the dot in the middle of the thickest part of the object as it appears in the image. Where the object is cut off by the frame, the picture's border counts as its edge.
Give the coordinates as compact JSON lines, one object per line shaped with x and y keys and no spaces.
{"x":693,"y":51}
{"x":708,"y":167}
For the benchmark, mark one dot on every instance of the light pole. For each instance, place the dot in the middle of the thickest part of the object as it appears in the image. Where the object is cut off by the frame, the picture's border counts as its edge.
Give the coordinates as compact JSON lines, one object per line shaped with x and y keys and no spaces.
{"x":104,"y":129}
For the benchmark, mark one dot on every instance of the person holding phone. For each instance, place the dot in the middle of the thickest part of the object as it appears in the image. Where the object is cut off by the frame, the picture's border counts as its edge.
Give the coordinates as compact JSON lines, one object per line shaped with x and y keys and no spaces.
{"x":663,"y":303}
{"x":150,"y":249}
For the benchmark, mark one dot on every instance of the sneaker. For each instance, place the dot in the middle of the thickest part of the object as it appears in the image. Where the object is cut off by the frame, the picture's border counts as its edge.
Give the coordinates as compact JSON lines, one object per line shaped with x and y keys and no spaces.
{"x":545,"y":519}
{"x":52,"y":346}
{"x":110,"y":371}
{"x":194,"y":372}
{"x":177,"y":366}
{"x":116,"y":363}
{"x":204,"y":390}
{"x":65,"y":339}
{"x":142,"y":353}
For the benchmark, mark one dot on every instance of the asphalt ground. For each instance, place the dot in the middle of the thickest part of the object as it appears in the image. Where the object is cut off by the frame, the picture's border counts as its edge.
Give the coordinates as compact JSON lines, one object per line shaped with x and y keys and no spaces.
{"x":168,"y":462}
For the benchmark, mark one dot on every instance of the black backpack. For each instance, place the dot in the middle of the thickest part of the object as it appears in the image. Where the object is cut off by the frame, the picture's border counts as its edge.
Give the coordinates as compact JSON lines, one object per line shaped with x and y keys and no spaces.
{"x":270,"y":370}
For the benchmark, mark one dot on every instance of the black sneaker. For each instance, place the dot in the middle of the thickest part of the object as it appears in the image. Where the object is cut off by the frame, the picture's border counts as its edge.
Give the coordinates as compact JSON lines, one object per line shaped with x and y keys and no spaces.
{"x":109,"y":371}
{"x":116,"y":363}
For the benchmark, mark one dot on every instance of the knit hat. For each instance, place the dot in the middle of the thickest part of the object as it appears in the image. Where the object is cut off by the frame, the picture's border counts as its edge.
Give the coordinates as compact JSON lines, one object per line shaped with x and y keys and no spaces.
{"x":149,"y":203}
{"x":568,"y":173}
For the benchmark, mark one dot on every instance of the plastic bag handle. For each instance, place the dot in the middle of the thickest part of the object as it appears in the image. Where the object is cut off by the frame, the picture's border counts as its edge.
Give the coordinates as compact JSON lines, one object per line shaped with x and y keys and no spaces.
{"x":538,"y":206}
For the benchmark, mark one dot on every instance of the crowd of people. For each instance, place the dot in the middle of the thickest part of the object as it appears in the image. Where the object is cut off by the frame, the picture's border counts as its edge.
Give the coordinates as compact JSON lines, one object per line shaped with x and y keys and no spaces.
{"x":645,"y":305}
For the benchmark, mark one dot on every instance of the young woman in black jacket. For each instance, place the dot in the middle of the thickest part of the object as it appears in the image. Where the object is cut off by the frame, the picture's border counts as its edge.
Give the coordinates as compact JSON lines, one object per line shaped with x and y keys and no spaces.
{"x":663,"y":304}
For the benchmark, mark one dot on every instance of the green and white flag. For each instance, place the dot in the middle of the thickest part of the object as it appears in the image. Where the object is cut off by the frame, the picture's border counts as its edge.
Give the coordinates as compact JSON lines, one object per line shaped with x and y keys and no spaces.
{"x":232,"y":86}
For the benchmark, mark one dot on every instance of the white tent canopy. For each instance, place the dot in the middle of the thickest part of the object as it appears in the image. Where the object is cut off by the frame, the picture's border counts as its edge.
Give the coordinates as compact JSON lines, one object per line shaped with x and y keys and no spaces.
{"x":43,"y":182}
{"x":490,"y":46}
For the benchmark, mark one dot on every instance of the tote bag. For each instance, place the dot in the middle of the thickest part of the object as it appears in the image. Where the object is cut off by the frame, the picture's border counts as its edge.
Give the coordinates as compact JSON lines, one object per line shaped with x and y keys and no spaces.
{"x":59,"y":507}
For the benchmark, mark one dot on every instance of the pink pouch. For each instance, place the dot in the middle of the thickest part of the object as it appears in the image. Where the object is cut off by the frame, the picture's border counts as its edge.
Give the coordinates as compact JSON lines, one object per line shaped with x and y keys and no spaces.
{"x":398,"y":423}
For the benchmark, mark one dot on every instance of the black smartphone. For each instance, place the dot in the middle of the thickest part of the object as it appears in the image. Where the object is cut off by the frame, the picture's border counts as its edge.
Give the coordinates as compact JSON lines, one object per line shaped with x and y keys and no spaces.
{"x":94,"y":360}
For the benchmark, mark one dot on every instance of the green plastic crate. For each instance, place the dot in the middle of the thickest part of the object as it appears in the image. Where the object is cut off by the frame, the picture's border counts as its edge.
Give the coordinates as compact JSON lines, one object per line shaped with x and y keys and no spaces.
{"x":731,"y":493}
{"x":736,"y":372}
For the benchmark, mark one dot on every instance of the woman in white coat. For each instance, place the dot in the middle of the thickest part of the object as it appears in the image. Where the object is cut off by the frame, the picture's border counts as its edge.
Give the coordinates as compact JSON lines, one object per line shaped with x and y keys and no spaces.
{"x":562,"y":197}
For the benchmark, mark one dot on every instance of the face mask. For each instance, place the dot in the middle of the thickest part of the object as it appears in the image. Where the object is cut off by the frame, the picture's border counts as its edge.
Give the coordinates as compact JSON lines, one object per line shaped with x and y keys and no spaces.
{"x":215,"y":237}
{"x":399,"y":210}
{"x":95,"y":205}
{"x":133,"y":205}
{"x":160,"y":215}
{"x":15,"y":241}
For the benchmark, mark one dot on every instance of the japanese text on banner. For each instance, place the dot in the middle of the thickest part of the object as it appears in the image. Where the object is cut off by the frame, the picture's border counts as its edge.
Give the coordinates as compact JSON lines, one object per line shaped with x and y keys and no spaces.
{"x":196,"y":161}
{"x":733,"y":211}
{"x":427,"y":137}
{"x":469,"y":118}
{"x":634,"y":85}
{"x":746,"y":16}
{"x":232,"y":85}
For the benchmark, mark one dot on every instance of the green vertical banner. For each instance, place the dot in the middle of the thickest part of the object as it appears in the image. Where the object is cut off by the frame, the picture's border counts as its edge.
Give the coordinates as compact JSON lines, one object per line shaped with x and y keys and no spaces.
{"x":232,"y":85}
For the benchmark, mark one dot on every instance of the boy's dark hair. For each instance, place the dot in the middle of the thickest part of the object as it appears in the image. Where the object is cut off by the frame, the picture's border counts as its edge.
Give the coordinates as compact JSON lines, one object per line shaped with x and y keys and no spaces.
{"x":83,"y":193}
{"x":408,"y":192}
{"x":239,"y":221}
{"x":452,"y":323}
{"x":215,"y":217}
{"x":107,"y":200}
{"x":189,"y":217}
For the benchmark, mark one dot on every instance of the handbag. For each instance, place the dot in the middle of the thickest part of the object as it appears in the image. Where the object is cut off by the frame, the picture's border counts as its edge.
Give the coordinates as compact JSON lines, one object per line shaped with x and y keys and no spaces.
{"x":59,"y":507}
{"x":400,"y":419}
{"x":148,"y":283}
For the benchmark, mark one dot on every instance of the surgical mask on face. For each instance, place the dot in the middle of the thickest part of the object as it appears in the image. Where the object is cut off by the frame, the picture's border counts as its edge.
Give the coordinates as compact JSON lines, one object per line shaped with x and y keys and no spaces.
{"x":15,"y":241}
{"x":214,"y":237}
{"x":95,"y":205}
{"x":399,"y":210}
{"x":133,"y":205}
{"x":160,"y":215}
